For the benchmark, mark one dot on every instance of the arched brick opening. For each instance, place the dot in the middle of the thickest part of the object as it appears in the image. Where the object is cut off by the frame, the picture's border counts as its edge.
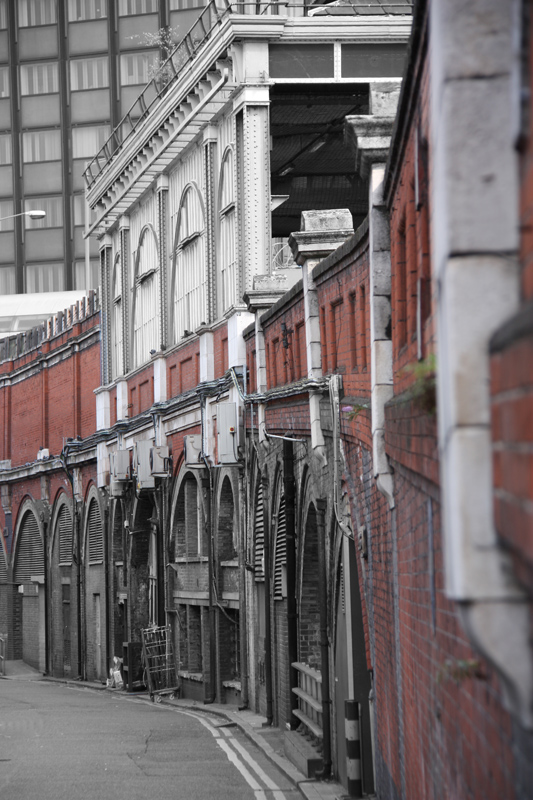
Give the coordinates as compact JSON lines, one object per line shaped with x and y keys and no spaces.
{"x":95,"y":594}
{"x":226,"y":523}
{"x":189,"y":525}
{"x":141,"y":579}
{"x":229,"y":649}
{"x":120,"y":580}
{"x":309,"y":616}
{"x":62,"y":593}
{"x":29,"y":628}
{"x":188,"y":549}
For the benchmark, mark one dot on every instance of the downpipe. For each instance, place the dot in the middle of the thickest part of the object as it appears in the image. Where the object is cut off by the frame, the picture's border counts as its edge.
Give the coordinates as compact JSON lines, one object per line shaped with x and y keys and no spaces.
{"x":292,"y":619}
{"x":324,"y":646}
{"x":268,"y":626}
{"x":208,"y":493}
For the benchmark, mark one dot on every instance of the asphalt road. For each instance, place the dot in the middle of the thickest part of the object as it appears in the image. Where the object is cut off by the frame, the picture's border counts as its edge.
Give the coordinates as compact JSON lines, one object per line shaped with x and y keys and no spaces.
{"x":59,"y":742}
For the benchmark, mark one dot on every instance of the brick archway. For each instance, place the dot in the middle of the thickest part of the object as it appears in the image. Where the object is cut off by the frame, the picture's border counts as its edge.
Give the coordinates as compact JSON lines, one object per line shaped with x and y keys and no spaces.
{"x":309,"y":616}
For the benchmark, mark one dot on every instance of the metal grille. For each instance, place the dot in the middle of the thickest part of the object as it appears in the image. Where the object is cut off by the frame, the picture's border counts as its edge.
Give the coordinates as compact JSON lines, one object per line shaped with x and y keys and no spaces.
{"x":64,"y":529}
{"x":158,"y":659}
{"x":280,"y":552}
{"x":29,"y":557}
{"x":282,"y":257}
{"x":94,"y":534}
{"x":259,"y":535}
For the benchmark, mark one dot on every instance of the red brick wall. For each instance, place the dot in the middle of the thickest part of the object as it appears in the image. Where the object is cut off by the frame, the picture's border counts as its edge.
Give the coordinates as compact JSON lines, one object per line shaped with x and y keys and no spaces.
{"x":344,"y":318}
{"x":54,"y":398}
{"x":220,"y":347}
{"x":141,"y":391}
{"x":183,"y":368}
{"x":442,"y":728}
{"x":284,"y":362}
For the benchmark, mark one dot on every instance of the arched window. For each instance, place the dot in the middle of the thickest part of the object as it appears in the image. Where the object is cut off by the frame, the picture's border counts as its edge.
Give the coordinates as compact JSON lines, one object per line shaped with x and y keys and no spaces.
{"x":226,"y":523}
{"x":189,"y":274}
{"x":117,"y":319}
{"x":227,"y":250}
{"x":146,"y":307}
{"x":29,"y":558}
{"x":64,"y":535}
{"x":189,"y":527}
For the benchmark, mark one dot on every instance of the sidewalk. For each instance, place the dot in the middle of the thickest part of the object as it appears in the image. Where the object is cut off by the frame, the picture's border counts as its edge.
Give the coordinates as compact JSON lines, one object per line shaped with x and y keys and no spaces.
{"x":269,"y":740}
{"x":19,"y":671}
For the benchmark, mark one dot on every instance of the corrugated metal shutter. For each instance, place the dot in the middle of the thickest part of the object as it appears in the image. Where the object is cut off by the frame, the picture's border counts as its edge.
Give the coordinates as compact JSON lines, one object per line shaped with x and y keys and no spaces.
{"x":29,"y":557}
{"x":259,"y":535}
{"x":280,"y":552}
{"x":94,"y":534}
{"x":3,"y":566}
{"x":64,"y":529}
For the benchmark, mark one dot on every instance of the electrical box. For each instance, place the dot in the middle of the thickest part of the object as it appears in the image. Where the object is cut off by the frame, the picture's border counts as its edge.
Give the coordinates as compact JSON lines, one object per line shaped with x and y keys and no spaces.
{"x":160,"y":461}
{"x":143,"y":469}
{"x":117,"y":488}
{"x":119,"y":465}
{"x":193,"y":447}
{"x":228,"y":439}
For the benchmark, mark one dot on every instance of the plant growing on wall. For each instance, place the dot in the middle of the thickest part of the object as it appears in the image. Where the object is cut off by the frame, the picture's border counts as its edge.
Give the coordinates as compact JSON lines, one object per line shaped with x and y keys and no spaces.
{"x":161,"y":70}
{"x":460,"y":669}
{"x":423,"y":390}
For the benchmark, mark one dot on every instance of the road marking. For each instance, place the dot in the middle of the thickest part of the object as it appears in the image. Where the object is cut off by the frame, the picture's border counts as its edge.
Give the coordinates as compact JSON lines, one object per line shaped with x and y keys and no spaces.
{"x":250,"y":780}
{"x":278,"y":794}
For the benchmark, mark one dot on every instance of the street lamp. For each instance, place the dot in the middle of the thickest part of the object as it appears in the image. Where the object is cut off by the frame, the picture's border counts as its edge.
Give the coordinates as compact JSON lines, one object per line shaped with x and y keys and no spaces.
{"x":36,"y":214}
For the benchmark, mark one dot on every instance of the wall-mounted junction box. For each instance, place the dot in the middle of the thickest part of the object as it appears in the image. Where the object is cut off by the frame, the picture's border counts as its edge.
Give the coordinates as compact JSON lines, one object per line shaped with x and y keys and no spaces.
{"x":228,"y":437}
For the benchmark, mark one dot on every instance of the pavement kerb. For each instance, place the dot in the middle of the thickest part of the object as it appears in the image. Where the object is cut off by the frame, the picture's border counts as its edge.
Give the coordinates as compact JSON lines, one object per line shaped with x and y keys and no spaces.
{"x":309,"y":788}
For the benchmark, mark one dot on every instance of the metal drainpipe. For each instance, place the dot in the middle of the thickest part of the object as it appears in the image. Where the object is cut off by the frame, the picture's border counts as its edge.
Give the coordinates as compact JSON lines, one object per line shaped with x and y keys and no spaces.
{"x":46,"y":604}
{"x":324,"y":647}
{"x":242,"y":589}
{"x":107,"y":603}
{"x":160,"y":495}
{"x":268,"y":629}
{"x":206,"y":485}
{"x":290,"y":538}
{"x":76,"y":539}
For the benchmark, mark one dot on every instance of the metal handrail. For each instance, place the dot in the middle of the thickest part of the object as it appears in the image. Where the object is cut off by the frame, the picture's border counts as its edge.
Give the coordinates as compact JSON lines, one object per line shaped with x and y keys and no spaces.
{"x":168,"y":71}
{"x":2,"y":656}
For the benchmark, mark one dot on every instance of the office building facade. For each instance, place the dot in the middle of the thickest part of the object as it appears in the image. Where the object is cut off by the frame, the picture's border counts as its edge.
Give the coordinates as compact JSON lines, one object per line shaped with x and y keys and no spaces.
{"x":69,"y":71}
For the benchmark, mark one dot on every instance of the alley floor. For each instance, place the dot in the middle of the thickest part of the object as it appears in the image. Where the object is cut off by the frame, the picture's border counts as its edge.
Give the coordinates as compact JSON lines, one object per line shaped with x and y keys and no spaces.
{"x":62,"y":740}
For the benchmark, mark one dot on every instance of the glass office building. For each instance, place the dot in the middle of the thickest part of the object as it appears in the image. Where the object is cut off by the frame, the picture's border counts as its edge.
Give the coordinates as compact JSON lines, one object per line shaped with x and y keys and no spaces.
{"x":69,"y":70}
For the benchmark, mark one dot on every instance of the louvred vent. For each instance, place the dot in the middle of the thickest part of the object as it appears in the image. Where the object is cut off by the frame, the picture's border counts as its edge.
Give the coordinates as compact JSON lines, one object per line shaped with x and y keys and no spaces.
{"x":29,"y":558}
{"x":280,"y":552}
{"x":64,"y":530}
{"x":3,"y":565}
{"x":259,"y":535}
{"x":94,"y":534}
